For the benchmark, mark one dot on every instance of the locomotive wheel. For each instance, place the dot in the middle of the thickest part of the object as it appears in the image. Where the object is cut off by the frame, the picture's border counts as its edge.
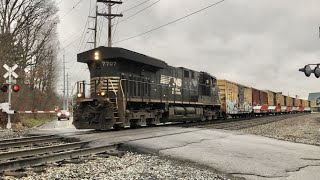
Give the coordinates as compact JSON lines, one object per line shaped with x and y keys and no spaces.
{"x":224,"y":115}
{"x":134,"y":124}
{"x":117,"y":127}
{"x":150,"y":123}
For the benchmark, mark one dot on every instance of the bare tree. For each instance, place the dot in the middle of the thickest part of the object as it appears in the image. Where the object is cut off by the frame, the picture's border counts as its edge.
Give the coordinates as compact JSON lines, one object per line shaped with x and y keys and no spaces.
{"x":28,"y":37}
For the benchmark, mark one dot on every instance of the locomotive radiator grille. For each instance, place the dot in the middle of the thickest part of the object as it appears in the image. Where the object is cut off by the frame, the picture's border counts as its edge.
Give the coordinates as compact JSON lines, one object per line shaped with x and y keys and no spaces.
{"x":110,"y":83}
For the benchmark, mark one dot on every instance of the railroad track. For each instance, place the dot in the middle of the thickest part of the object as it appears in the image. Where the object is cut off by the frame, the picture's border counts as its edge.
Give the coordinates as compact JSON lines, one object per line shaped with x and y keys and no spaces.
{"x":242,"y":123}
{"x":41,"y":150}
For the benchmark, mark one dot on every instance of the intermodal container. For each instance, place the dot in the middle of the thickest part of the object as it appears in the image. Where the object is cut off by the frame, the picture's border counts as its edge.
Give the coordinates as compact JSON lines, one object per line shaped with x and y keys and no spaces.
{"x":285,"y":100}
{"x":289,"y":101}
{"x":300,"y":103}
{"x":305,"y":103}
{"x":296,"y":102}
{"x":280,"y":99}
{"x":271,"y":98}
{"x":259,"y":97}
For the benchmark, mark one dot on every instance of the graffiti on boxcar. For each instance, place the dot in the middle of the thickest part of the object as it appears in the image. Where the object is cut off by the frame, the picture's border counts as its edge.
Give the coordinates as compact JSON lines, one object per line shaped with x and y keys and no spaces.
{"x":247,"y":107}
{"x":232,"y":107}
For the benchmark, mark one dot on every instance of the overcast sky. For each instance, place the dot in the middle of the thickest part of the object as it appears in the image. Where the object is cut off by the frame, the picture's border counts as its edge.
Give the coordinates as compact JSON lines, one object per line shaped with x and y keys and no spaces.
{"x":258,"y":43}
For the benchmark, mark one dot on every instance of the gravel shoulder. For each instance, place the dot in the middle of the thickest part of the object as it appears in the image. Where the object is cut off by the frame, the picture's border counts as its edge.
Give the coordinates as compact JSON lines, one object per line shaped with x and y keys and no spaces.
{"x":130,"y":166}
{"x":303,"y":129}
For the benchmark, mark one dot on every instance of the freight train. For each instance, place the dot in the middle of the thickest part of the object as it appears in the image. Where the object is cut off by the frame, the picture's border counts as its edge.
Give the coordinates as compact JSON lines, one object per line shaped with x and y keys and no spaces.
{"x":131,"y":89}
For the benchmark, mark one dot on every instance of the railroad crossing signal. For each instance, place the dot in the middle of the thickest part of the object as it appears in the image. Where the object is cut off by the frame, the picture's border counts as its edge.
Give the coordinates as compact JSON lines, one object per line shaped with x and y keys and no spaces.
{"x":15,"y":88}
{"x":10,"y":71}
{"x":4,"y":88}
{"x":308,"y":71}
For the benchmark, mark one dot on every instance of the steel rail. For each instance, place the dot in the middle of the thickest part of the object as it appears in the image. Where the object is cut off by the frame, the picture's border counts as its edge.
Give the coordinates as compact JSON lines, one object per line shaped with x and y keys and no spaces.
{"x":231,"y":121}
{"x":24,"y":139}
{"x":34,"y":161}
{"x":241,"y":124}
{"x":42,"y":150}
{"x":30,"y":142}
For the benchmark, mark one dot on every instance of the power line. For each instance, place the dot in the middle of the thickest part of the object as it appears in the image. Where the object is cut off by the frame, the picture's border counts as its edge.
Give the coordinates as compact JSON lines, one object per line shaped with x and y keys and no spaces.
{"x":71,"y":9}
{"x":138,"y":12}
{"x":82,"y":38}
{"x":159,"y":27}
{"x":116,"y":24}
{"x":100,"y":29}
{"x":135,"y":6}
{"x":59,"y":2}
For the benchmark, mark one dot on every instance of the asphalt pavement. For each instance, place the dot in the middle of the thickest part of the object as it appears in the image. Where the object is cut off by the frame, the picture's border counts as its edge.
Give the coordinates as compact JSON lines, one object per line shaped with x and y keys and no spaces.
{"x":237,"y":153}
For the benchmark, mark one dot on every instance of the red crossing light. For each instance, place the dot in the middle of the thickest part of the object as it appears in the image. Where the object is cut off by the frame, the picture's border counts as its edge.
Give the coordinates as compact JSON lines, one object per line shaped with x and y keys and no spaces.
{"x":4,"y":87}
{"x":15,"y":88}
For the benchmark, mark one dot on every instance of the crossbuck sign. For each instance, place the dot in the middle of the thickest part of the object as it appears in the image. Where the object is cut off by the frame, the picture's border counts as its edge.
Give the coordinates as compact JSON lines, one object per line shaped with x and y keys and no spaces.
{"x":9,"y":75}
{"x":10,"y":71}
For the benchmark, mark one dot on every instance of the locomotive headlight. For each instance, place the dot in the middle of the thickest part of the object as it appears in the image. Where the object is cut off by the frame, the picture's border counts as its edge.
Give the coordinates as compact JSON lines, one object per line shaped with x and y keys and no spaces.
{"x":67,"y":114}
{"x":59,"y":114}
{"x":96,"y":56}
{"x":103,"y":93}
{"x":79,"y":95}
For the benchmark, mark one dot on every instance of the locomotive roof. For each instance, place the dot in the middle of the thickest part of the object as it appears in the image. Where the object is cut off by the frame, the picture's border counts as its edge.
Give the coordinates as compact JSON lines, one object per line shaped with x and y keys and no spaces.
{"x":116,"y":52}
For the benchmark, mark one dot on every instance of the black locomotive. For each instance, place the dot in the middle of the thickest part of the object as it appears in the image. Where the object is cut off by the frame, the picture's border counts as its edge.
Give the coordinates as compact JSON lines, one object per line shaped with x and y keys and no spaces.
{"x":131,"y":89}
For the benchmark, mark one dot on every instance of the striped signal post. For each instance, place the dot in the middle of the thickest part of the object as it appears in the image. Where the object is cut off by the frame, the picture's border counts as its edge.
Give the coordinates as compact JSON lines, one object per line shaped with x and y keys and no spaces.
{"x":9,"y":75}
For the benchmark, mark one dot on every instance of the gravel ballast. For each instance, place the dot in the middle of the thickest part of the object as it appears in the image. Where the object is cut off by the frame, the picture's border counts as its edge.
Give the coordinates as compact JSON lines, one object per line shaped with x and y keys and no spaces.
{"x":302,"y":129}
{"x":9,"y":133}
{"x":130,"y":166}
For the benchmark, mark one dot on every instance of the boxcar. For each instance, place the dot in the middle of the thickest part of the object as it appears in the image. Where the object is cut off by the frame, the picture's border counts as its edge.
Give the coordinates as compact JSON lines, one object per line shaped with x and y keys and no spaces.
{"x":305,"y":103}
{"x":272,"y":98}
{"x":280,"y":99}
{"x":290,"y":101}
{"x":259,"y":97}
{"x":235,"y":98}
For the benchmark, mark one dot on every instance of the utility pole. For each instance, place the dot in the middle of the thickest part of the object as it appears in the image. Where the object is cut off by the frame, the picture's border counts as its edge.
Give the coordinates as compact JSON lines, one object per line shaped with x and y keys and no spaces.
{"x":95,"y":28}
{"x":67,"y":91}
{"x":109,"y":16}
{"x":109,"y":26}
{"x":64,"y":82}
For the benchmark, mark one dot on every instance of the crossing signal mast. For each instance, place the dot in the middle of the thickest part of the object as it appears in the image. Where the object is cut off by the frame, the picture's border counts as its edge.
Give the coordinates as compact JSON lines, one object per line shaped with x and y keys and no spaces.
{"x":10,"y":85}
{"x":107,"y":15}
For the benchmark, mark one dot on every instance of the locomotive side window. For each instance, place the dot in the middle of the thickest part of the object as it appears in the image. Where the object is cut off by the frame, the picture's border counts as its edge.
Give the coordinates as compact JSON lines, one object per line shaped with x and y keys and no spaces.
{"x":186,"y":74}
{"x":192,"y":75}
{"x":135,"y":86}
{"x":139,"y":86}
{"x":131,"y":84}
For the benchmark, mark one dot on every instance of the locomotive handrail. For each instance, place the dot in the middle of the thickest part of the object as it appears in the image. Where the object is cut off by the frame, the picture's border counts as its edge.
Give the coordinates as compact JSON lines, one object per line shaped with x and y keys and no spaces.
{"x":129,"y":80}
{"x":115,"y":92}
{"x":123,"y":97}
